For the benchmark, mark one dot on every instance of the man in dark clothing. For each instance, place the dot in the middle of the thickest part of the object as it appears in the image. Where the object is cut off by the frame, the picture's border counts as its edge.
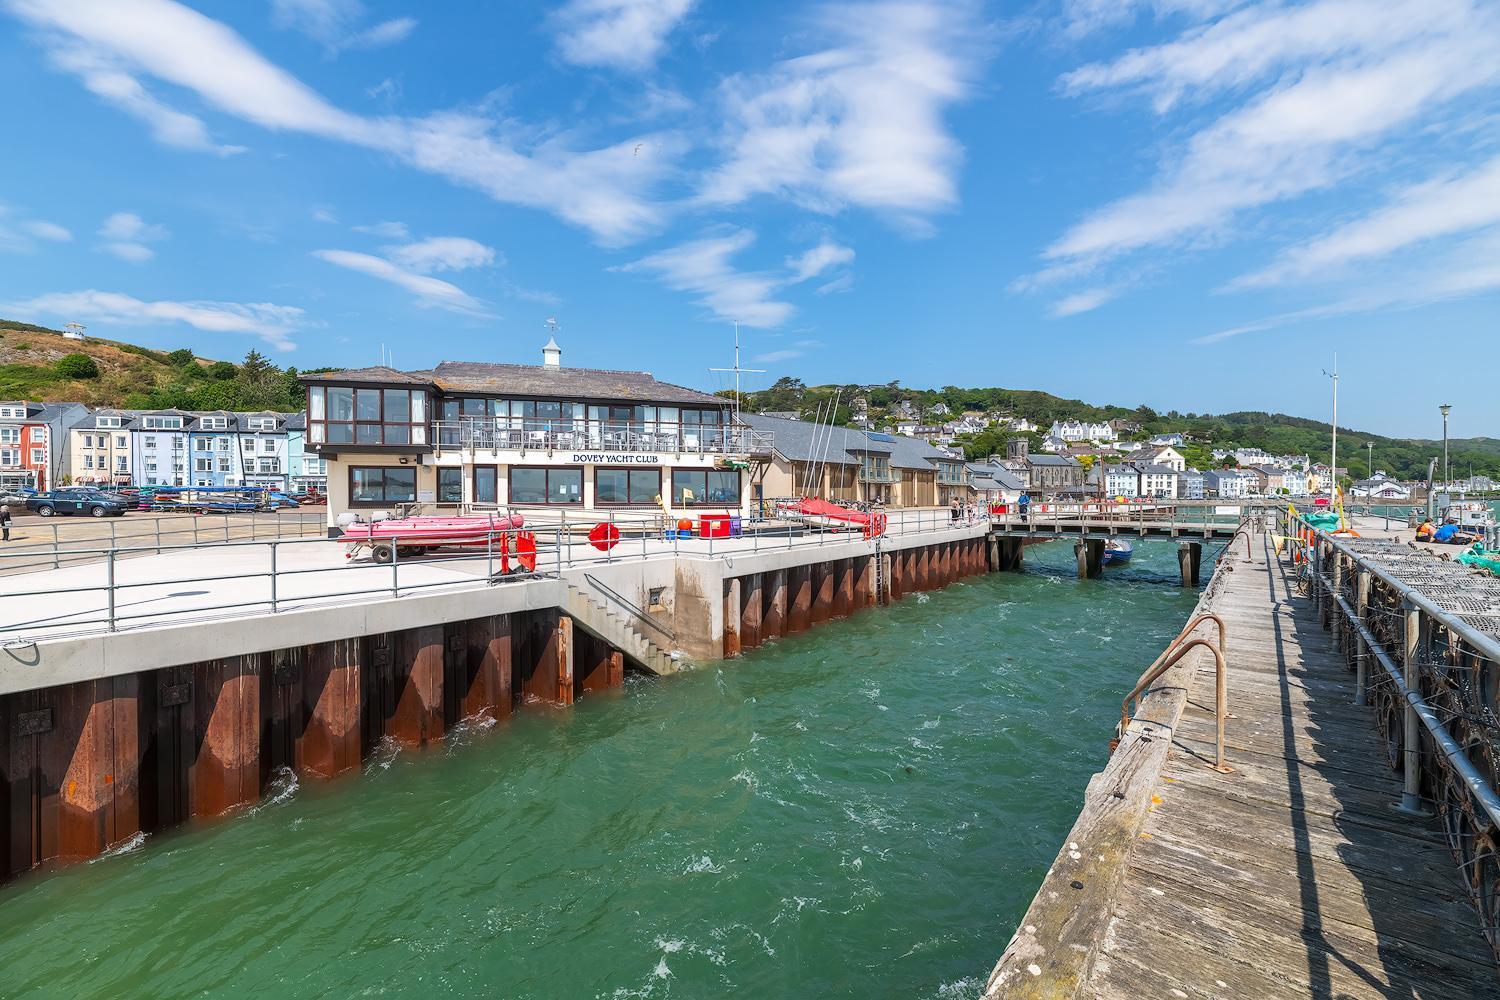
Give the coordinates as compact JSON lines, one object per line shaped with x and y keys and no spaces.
{"x":5,"y":520}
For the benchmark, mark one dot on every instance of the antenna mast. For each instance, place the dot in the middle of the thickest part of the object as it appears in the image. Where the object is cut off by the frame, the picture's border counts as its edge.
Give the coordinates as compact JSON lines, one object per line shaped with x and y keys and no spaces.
{"x":1333,"y":472}
{"x":737,"y":370}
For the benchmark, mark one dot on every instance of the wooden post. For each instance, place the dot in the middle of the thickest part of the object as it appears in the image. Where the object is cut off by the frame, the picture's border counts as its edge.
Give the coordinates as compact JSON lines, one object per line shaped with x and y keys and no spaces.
{"x":799,"y":614}
{"x":752,"y":607}
{"x":1411,"y":757}
{"x":1361,"y":651}
{"x":731,"y":618}
{"x":1189,"y":561}
{"x":774,"y":622}
{"x":564,"y":660}
{"x":1333,"y":608}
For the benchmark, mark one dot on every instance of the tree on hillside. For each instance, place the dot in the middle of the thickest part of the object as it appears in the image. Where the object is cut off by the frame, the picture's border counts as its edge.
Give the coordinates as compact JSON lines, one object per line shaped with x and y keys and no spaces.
{"x":77,"y":366}
{"x":182,"y":357}
{"x":222,"y":371}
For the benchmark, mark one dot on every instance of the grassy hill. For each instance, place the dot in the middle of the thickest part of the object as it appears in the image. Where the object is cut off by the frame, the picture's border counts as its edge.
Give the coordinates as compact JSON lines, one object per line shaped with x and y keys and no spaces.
{"x":1278,"y":433}
{"x":38,"y":363}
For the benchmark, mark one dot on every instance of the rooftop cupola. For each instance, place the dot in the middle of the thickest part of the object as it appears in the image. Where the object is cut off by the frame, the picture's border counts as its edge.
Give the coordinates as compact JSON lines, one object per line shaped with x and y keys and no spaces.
{"x":552,"y":354}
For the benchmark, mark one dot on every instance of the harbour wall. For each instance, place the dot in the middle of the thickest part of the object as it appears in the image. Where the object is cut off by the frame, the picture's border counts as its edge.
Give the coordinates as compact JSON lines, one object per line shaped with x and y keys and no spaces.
{"x":105,"y":737}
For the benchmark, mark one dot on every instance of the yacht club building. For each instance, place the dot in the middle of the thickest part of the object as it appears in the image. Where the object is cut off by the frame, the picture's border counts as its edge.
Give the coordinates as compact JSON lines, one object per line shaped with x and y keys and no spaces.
{"x":479,"y":436}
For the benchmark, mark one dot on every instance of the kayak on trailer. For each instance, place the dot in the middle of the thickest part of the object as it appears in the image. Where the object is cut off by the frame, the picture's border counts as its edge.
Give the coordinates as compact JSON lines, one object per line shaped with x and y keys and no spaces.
{"x":413,"y":535}
{"x":1117,"y":552}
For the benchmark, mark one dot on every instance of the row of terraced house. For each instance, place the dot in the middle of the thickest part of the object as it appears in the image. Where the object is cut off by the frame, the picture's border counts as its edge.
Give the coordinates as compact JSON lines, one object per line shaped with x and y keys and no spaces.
{"x":44,"y":445}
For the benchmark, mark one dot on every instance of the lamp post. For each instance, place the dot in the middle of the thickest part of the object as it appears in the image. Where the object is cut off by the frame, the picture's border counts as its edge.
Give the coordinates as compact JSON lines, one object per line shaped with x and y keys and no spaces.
{"x":1370,"y":449}
{"x":1333,"y":457}
{"x":1445,"y":409}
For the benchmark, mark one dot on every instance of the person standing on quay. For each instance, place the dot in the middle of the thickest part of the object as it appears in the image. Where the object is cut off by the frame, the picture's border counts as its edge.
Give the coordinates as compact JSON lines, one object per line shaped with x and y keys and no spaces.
{"x":5,"y":520}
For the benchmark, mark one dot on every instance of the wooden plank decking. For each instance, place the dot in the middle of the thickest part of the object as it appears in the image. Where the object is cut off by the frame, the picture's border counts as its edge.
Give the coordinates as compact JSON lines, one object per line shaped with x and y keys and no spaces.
{"x":1294,"y":876}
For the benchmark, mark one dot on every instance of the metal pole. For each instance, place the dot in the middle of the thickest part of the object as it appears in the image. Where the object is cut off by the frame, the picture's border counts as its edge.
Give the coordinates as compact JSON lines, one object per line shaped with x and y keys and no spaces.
{"x":1362,"y":653}
{"x":55,"y":546}
{"x":273,"y":577}
{"x":110,"y":580}
{"x":395,"y":567}
{"x":158,"y":535}
{"x":1411,"y":797}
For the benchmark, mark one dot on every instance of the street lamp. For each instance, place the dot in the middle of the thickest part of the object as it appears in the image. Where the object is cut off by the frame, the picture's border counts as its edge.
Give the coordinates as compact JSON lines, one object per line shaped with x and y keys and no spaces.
{"x":1445,"y":409}
{"x":1370,"y":448}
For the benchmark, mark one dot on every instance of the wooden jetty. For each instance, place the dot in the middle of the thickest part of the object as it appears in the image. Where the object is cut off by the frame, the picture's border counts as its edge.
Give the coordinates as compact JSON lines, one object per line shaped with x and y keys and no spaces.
{"x":1295,"y":875}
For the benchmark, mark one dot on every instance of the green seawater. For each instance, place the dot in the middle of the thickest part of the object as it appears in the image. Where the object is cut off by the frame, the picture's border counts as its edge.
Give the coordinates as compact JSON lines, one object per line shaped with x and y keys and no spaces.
{"x":864,"y":810}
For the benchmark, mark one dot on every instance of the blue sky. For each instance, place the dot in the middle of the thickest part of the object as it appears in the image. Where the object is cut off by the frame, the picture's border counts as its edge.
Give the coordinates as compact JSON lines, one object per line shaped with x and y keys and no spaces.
{"x":1187,"y":203}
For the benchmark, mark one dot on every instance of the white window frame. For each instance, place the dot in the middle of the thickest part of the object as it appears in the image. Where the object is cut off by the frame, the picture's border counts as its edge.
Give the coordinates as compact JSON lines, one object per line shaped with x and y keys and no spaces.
{"x":109,"y":422}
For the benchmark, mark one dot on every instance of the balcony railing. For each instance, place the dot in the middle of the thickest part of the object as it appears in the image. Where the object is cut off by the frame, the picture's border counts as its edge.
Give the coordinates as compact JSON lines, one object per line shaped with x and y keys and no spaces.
{"x":502,"y":434}
{"x":876,"y":476}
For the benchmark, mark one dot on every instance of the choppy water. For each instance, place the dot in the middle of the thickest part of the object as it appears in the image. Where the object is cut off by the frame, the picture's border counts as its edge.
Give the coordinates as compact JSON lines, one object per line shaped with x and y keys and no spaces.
{"x":862,"y":810}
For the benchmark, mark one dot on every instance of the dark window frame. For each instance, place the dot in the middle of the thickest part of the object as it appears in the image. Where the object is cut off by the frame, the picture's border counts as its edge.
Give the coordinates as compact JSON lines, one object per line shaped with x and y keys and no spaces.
{"x":702,"y":500}
{"x":321,"y":430}
{"x":548,"y":471}
{"x":384,"y":501}
{"x":441,"y":472}
{"x":629,"y":471}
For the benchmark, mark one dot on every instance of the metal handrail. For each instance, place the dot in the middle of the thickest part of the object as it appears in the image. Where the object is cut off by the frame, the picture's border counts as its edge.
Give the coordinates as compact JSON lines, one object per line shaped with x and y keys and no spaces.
{"x":615,"y":596}
{"x":1221,"y":691}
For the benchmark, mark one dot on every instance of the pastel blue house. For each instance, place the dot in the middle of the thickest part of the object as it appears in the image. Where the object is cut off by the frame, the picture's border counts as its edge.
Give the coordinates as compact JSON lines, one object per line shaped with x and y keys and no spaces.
{"x":212,"y":453}
{"x":159,"y":452}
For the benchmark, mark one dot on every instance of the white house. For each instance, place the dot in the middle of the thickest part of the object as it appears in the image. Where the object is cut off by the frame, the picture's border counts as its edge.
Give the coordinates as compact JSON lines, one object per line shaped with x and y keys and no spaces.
{"x":1174,"y":439}
{"x":1152,"y":455}
{"x":1074,"y":430}
{"x":1252,"y":456}
{"x":1231,"y":484}
{"x":1295,"y":482}
{"x":1122,"y":481}
{"x":1158,"y":481}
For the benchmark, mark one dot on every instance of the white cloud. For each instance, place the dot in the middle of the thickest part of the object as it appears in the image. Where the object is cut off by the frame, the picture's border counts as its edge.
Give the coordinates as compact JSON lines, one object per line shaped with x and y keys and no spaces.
{"x":859,"y":122}
{"x":602,"y":190}
{"x":1085,"y":17}
{"x":104,"y":77}
{"x":336,"y":24}
{"x":1444,"y":206}
{"x":818,"y":259}
{"x":442,"y":253}
{"x":272,"y":323}
{"x":389,"y":230}
{"x":621,"y":34}
{"x":1311,"y":98}
{"x":126,"y":234}
{"x":843,"y":283}
{"x":1083,"y":302}
{"x":321,"y":214}
{"x":429,"y":291}
{"x":702,"y":267}
{"x":773,"y":356}
{"x":44,"y":230}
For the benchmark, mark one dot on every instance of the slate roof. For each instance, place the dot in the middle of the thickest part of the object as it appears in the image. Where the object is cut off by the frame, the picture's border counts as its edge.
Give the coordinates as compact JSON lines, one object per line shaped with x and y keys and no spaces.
{"x":1158,"y":470}
{"x":802,"y":440}
{"x":527,"y":380}
{"x":1052,"y":460}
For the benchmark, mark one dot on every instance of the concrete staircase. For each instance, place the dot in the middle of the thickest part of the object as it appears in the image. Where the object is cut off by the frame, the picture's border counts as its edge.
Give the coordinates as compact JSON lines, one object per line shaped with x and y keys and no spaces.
{"x":618,"y":628}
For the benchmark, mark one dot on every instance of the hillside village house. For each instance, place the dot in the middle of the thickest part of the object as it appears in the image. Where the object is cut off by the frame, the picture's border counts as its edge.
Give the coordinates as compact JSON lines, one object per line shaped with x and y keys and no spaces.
{"x":1158,"y":455}
{"x":1074,"y":430}
{"x":843,"y":463}
{"x":1230,"y":484}
{"x":1159,"y":482}
{"x":99,"y":448}
{"x":545,"y":437}
{"x":1269,"y":479}
{"x":993,"y":484}
{"x":1055,"y":474}
{"x":215,"y":449}
{"x":1121,"y":481}
{"x":1191,"y":485}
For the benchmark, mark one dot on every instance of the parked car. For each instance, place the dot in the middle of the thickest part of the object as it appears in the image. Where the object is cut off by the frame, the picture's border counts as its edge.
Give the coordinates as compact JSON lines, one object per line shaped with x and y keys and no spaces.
{"x":76,"y":501}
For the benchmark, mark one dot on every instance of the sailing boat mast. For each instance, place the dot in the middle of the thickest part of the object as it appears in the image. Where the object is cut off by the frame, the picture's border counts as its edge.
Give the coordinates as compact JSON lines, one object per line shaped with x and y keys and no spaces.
{"x":737,"y":371}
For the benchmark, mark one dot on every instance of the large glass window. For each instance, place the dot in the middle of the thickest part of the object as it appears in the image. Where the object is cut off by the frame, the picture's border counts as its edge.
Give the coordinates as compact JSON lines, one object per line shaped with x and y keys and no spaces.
{"x":546,"y":486}
{"x":705,"y":487}
{"x":380,"y":485}
{"x":618,"y":487}
{"x":346,"y":415}
{"x":450,"y":485}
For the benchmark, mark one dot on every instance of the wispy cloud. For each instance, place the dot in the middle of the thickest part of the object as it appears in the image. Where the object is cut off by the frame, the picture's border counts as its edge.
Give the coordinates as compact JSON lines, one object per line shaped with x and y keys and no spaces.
{"x":603,"y":190}
{"x":389,"y":230}
{"x":429,"y":291}
{"x":1087,"y":17}
{"x":816,"y":260}
{"x":338,"y":24}
{"x":620,"y":34}
{"x":49,"y":231}
{"x":859,"y":122}
{"x":126,"y":236}
{"x":1082,"y":302}
{"x":703,"y":267}
{"x":272,"y":323}
{"x":1444,"y":206}
{"x":442,"y":253}
{"x":20,"y":236}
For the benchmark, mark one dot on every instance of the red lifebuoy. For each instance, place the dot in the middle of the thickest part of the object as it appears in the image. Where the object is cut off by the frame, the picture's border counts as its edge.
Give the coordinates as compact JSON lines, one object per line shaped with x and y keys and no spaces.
{"x":604,"y":536}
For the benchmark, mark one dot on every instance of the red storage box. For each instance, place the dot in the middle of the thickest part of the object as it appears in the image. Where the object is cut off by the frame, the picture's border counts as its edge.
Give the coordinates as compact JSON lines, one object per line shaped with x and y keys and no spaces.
{"x":713,"y":526}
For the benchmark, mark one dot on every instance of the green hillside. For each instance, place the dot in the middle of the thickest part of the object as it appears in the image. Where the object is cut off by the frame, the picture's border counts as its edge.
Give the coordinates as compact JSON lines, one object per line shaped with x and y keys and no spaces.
{"x":1277,"y":433}
{"x":38,"y":363}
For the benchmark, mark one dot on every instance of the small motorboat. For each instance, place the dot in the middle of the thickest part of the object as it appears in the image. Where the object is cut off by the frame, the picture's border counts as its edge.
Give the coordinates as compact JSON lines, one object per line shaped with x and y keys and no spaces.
{"x":1117,"y":552}
{"x":813,"y":510}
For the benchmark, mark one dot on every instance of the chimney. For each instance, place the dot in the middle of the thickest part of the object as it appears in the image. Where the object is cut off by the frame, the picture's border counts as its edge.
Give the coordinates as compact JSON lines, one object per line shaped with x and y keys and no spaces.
{"x":552,"y":354}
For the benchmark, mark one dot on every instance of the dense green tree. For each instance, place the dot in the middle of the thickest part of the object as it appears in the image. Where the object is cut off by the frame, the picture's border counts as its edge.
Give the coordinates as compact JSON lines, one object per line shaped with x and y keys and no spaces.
{"x":77,"y":366}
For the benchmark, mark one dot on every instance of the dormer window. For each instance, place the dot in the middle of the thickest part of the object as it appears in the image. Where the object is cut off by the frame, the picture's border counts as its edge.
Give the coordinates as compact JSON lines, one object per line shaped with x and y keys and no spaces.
{"x":262,"y":423}
{"x":103,"y":421}
{"x":161,"y":423}
{"x":213,"y":423}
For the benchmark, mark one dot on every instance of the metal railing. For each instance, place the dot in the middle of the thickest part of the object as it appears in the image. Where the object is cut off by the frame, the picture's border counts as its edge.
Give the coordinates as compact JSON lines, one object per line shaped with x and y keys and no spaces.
{"x":90,"y":604}
{"x":628,"y":606}
{"x":151,"y":535}
{"x":505,"y":434}
{"x":1422,"y":636}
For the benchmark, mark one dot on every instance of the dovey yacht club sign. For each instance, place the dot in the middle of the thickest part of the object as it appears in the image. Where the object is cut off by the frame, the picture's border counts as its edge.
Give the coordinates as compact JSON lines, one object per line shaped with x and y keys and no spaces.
{"x":614,"y":458}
